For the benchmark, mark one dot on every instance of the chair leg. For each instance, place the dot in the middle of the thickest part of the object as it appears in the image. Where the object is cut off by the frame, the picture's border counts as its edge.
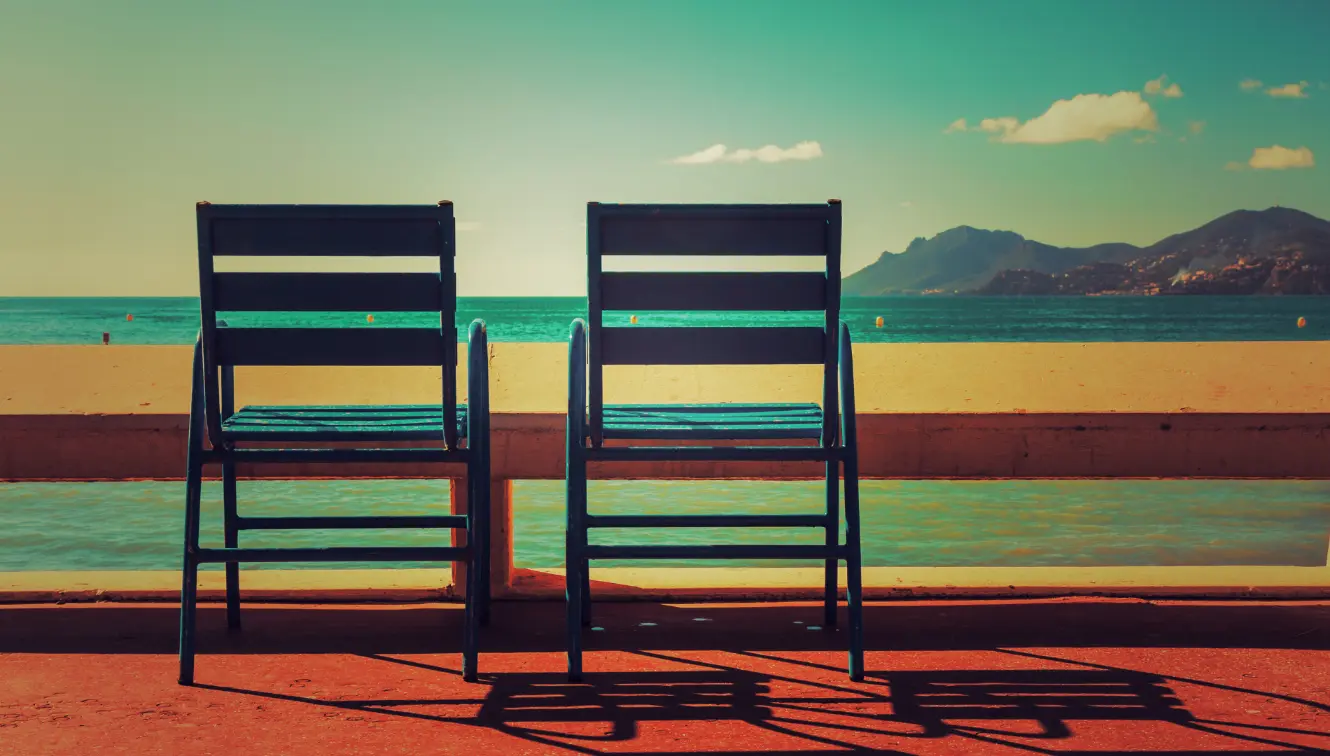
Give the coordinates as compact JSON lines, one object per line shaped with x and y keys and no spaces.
{"x":854,"y":566}
{"x":586,"y":590}
{"x":831,"y":586}
{"x":484,"y":524}
{"x":471,"y":609}
{"x":577,"y":604}
{"x":232,"y":536}
{"x":190,"y":568}
{"x":573,"y":598}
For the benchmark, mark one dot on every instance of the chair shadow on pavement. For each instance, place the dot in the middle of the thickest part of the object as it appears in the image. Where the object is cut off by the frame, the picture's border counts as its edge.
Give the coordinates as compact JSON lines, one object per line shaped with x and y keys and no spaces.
{"x":1027,"y":709}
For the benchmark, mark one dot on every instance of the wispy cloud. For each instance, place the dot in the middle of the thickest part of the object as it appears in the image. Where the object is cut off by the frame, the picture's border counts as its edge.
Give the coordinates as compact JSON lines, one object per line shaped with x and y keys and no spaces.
{"x":955,"y":126}
{"x":1249,"y":85}
{"x":999,"y":125}
{"x":907,"y":204}
{"x":1085,"y":117}
{"x":1289,"y":90}
{"x":1196,"y":127}
{"x":719,"y":153}
{"x":466,"y":226}
{"x":1276,"y":158}
{"x":1157,"y":87}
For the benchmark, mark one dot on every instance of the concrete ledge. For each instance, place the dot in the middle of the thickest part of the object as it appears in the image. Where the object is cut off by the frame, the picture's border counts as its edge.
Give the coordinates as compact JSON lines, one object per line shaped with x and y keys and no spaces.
{"x":686,"y":584}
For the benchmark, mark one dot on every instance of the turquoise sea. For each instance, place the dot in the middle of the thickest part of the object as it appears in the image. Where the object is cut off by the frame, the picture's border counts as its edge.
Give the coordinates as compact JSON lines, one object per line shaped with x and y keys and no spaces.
{"x":906,"y":319}
{"x":136,"y":525}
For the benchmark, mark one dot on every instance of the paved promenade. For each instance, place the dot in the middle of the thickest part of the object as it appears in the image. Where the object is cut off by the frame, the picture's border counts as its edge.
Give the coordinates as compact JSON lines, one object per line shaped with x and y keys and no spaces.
{"x":1071,"y":676}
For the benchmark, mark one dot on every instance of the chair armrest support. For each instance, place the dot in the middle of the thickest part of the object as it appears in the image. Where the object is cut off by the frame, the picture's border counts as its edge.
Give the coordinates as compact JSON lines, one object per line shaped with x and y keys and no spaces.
{"x":577,"y":383}
{"x":478,"y":385}
{"x":848,"y":432}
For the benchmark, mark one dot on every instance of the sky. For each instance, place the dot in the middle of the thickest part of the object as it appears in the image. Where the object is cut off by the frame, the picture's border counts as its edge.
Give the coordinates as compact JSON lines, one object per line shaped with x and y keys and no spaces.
{"x":1072,"y":123}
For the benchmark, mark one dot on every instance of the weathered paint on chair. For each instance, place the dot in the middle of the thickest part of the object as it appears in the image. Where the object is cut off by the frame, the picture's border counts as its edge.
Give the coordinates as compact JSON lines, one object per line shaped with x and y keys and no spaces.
{"x":332,"y":230}
{"x":827,"y":430}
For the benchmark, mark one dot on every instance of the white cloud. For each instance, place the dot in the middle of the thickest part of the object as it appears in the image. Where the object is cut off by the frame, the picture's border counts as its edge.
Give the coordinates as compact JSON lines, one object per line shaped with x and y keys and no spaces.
{"x":1085,"y":117}
{"x":1156,"y":87}
{"x":956,"y":125}
{"x":719,"y":153}
{"x":1249,"y":84}
{"x":711,"y":154}
{"x":999,"y":125}
{"x":1289,"y":90}
{"x":907,"y":203}
{"x":1144,"y":139}
{"x":1196,"y":127}
{"x":1277,"y":158}
{"x":467,"y":225}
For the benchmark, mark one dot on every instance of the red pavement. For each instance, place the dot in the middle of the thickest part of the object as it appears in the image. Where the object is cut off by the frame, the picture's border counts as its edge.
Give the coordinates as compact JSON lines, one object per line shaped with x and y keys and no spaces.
{"x":1046,"y":677}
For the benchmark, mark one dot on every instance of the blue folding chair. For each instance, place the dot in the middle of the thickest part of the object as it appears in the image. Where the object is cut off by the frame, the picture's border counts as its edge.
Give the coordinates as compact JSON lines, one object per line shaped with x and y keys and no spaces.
{"x":300,"y":434}
{"x":705,"y":230}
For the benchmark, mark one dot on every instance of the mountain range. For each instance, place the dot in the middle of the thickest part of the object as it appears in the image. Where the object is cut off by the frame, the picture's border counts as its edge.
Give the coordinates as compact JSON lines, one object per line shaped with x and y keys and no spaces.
{"x":1274,"y":251}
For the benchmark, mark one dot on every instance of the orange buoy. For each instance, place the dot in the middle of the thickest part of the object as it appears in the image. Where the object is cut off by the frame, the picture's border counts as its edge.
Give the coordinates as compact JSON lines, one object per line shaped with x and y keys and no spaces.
{"x":369,"y":318}
{"x":1302,"y":322}
{"x":129,"y":317}
{"x":633,"y":320}
{"x":880,"y":321}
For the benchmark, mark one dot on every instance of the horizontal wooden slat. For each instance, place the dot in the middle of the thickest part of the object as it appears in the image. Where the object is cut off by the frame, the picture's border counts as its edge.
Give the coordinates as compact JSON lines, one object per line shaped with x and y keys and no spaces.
{"x":713,"y":291}
{"x":711,"y":346}
{"x":326,"y":456}
{"x":720,"y":235}
{"x":737,"y":422}
{"x":713,"y":453}
{"x":335,"y":232}
{"x":818,"y":210}
{"x":346,"y":522}
{"x":718,"y":551}
{"x":327,"y":292}
{"x":706,"y":521}
{"x":331,"y":346}
{"x":389,"y":423}
{"x":337,"y":554}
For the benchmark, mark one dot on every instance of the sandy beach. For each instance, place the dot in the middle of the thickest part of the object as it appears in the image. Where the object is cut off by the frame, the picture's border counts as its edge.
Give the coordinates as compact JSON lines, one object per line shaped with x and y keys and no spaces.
{"x":1216,"y":377}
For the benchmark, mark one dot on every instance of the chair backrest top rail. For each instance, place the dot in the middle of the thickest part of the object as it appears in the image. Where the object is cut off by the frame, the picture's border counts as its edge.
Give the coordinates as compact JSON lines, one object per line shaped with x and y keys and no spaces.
{"x":327,"y":230}
{"x":711,"y":230}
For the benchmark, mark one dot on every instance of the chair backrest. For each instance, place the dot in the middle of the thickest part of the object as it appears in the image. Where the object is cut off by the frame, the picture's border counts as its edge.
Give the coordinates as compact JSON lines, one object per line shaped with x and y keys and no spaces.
{"x":319,"y":231}
{"x":713,"y":230}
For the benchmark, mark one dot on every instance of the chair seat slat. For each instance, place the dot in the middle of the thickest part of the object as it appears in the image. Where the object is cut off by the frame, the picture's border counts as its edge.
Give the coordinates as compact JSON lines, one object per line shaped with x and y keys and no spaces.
{"x":359,"y":424}
{"x":738,"y":421}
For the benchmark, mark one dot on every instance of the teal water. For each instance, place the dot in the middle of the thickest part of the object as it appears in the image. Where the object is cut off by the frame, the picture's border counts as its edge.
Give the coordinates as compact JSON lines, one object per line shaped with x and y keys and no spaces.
{"x":137,"y":525}
{"x":907,"y":319}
